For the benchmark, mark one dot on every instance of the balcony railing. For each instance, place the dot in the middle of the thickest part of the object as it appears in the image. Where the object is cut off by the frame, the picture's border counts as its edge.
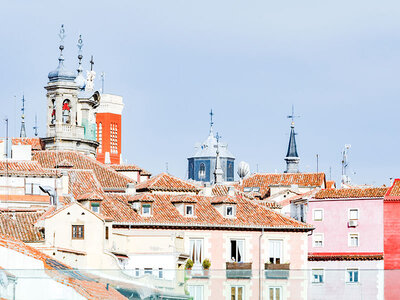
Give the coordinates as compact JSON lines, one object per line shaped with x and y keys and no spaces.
{"x":277,"y":271}
{"x":66,"y":130}
{"x":238,"y":270}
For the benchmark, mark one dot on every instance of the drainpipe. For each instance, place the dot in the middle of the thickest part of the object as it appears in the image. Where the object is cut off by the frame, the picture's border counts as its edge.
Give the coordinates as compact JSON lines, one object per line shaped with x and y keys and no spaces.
{"x":260,"y":277}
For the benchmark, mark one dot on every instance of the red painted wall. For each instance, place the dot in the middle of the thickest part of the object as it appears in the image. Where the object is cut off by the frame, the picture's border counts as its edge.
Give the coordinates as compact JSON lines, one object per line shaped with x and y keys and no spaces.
{"x":391,"y":214}
{"x":106,"y":120}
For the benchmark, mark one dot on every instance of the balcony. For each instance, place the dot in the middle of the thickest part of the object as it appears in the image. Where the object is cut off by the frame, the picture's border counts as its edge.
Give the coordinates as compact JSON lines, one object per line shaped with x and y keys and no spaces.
{"x":197,"y":273}
{"x":66,"y":130}
{"x":239,"y":270}
{"x":277,"y":271}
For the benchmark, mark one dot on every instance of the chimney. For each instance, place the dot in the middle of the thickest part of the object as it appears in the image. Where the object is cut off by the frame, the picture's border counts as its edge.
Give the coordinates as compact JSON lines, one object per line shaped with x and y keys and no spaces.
{"x":231,"y":191}
{"x":64,"y":182}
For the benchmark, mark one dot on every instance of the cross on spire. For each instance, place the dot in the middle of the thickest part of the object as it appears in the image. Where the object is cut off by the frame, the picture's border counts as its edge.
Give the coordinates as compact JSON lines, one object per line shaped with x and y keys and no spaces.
{"x":292,"y":116}
{"x":91,"y":63}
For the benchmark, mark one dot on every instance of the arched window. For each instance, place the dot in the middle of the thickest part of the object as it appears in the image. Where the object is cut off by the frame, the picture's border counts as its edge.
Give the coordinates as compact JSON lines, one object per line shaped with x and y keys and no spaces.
{"x":53,"y":112}
{"x":202,"y":171}
{"x":100,"y":136}
{"x":66,"y":112}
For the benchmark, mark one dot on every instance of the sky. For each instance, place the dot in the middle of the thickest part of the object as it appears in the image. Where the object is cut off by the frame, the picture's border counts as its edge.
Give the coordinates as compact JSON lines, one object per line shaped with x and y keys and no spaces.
{"x":337,"y":62}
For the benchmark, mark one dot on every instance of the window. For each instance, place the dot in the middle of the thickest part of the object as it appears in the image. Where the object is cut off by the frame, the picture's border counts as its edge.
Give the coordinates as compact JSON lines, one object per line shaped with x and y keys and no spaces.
{"x":275,"y":251}
{"x":146,"y":209}
{"x":189,"y":210}
{"x":237,"y":250}
{"x":53,"y":112}
{"x":229,"y":212}
{"x":114,"y":138}
{"x":318,"y":215}
{"x":237,"y":293}
{"x":32,"y":189}
{"x":353,"y":240}
{"x":275,"y":293}
{"x":106,"y":233}
{"x":196,"y":251}
{"x":78,"y":232}
{"x":196,"y":292}
{"x":202,"y":171}
{"x":352,"y":276}
{"x":317,"y":275}
{"x":160,"y":273}
{"x":148,"y":271}
{"x":95,"y":206}
{"x":66,"y":112}
{"x":353,"y":214}
{"x":318,"y":240}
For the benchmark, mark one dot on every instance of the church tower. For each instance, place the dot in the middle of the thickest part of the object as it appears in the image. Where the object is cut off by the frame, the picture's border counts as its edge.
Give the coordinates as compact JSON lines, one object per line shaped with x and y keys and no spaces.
{"x":292,"y":158}
{"x":69,"y":108}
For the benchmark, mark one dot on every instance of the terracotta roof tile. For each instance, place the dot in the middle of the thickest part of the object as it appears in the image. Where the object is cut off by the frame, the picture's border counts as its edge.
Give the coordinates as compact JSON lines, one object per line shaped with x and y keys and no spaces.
{"x":34,"y":142}
{"x":24,"y":168}
{"x":82,"y":182}
{"x":129,"y":167}
{"x":344,"y":256}
{"x":248,"y":214}
{"x":109,"y":179}
{"x":220,"y":190}
{"x":351,"y":193}
{"x":167,"y":183}
{"x":264,"y":181}
{"x":20,"y":225}
{"x":82,"y":283}
{"x":330,"y":184}
{"x":393,"y":193}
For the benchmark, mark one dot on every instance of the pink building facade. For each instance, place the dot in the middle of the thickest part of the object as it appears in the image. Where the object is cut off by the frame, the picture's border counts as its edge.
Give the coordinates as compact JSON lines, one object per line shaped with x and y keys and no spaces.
{"x":346,"y":247}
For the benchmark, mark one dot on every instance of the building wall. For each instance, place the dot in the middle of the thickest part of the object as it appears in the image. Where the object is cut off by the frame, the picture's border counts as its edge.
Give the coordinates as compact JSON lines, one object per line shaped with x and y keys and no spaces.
{"x":58,"y":234}
{"x":148,"y":245}
{"x":227,"y":165}
{"x":370,"y":285}
{"x":334,"y":225}
{"x":106,"y":120}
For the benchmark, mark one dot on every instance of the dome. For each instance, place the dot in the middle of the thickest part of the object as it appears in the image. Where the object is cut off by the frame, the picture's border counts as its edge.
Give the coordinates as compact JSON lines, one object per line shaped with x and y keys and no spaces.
{"x":80,"y":81}
{"x":209,"y":148}
{"x":61,"y":74}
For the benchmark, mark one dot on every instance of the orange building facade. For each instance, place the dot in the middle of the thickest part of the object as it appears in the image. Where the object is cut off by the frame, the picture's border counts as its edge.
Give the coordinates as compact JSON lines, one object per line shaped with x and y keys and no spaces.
{"x":108,"y":122}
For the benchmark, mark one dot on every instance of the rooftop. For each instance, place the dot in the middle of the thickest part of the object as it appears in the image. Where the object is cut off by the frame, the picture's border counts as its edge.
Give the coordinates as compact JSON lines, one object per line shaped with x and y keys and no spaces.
{"x":351,"y":193}
{"x":166,"y":183}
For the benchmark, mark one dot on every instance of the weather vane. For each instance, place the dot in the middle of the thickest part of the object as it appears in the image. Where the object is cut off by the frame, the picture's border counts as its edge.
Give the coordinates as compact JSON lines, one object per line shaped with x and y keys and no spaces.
{"x":211,"y":120}
{"x":62,"y":34}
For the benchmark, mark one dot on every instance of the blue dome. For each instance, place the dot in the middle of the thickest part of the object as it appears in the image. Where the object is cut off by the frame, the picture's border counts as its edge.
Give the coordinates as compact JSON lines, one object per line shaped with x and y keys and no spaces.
{"x":61,"y":74}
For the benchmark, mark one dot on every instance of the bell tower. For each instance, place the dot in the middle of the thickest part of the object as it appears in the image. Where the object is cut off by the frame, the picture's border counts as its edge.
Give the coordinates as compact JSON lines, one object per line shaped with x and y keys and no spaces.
{"x":64,"y":124}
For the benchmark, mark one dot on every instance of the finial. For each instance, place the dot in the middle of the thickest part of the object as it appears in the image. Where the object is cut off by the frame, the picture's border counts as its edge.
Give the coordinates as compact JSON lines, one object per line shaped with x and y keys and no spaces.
{"x":211,"y":121}
{"x":80,"y":45}
{"x":62,"y":36}
{"x":218,"y":137}
{"x":91,"y":63}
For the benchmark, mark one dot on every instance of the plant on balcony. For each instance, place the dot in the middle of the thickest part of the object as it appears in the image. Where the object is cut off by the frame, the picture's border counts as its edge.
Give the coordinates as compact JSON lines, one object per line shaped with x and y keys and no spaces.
{"x":189,"y":264}
{"x":206,"y":264}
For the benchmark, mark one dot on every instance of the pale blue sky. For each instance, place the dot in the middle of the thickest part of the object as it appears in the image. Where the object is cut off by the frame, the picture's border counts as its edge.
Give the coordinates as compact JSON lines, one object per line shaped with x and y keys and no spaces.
{"x":173,"y":61}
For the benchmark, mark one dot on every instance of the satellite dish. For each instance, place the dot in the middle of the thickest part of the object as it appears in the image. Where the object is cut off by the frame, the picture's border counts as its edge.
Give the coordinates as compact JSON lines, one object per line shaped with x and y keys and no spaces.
{"x":243,"y":169}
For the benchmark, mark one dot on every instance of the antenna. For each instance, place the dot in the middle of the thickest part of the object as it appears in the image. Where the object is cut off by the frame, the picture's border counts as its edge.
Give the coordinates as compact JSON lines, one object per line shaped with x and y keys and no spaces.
{"x":166,"y":167}
{"x":317,"y":162}
{"x":35,"y":128}
{"x":103,"y":75}
{"x":23,"y":130}
{"x":345,"y":164}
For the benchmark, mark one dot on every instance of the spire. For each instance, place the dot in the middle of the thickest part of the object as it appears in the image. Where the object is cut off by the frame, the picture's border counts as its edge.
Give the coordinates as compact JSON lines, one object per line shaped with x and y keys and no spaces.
{"x":90,"y":77}
{"x":60,"y":73}
{"x":292,"y":158}
{"x":23,"y":131}
{"x":35,"y":128}
{"x":218,"y":173}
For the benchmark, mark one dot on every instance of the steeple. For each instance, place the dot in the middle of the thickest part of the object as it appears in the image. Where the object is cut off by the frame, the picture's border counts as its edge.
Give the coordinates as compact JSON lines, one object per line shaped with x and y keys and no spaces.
{"x":218,"y":173}
{"x":23,"y":131}
{"x":292,"y":158}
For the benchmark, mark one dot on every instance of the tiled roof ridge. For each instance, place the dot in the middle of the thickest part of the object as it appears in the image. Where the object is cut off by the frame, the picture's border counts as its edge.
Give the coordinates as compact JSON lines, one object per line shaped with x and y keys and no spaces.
{"x":352,"y":193}
{"x":396,"y":187}
{"x":151,"y":183}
